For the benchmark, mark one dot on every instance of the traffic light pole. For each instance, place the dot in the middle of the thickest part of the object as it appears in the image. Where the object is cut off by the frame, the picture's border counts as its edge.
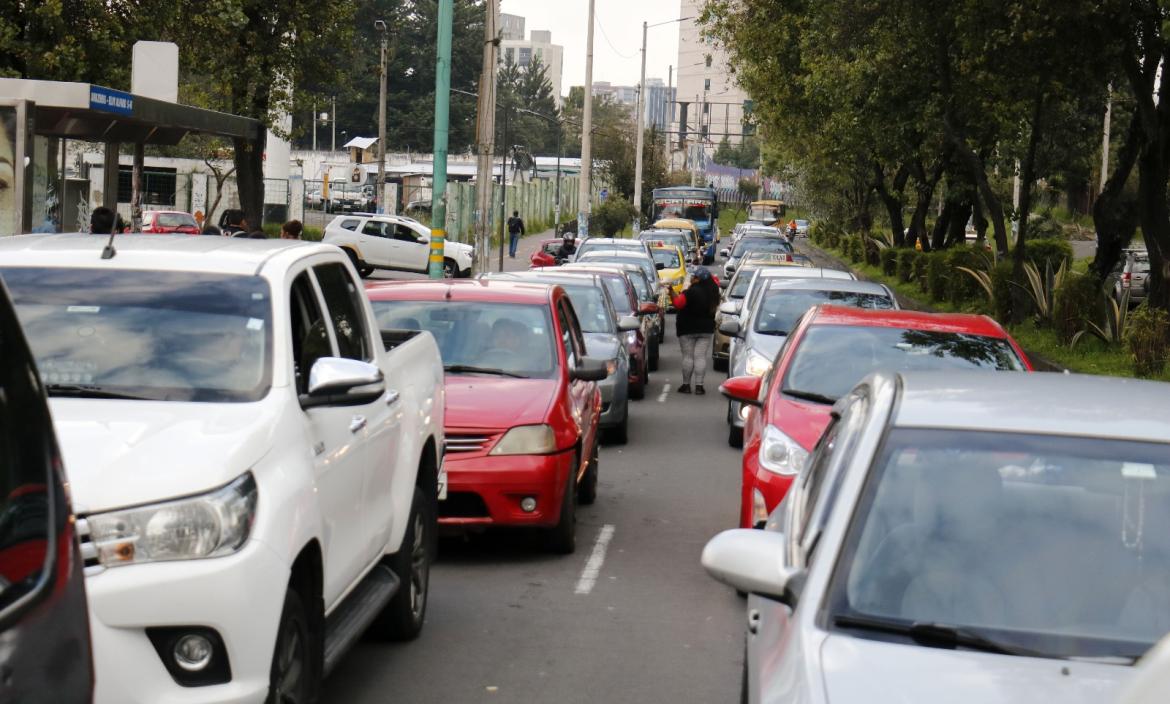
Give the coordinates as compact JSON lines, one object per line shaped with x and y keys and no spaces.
{"x":442,"y":113}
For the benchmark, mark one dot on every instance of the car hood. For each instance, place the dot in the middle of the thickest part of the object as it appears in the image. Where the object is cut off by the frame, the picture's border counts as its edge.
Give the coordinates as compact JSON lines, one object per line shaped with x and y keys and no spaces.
{"x":512,"y":401}
{"x":125,"y":453}
{"x":451,"y":247}
{"x":601,"y":345}
{"x":855,"y":668}
{"x":803,"y":421}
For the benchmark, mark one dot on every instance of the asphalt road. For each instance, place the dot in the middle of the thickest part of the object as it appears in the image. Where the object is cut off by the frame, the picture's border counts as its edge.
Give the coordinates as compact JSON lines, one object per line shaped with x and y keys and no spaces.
{"x":508,"y":622}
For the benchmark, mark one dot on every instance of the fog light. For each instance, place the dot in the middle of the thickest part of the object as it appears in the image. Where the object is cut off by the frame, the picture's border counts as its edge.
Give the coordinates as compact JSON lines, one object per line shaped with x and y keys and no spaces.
{"x":528,"y":504}
{"x":193,"y":652}
{"x":759,"y":509}
{"x":744,"y":411}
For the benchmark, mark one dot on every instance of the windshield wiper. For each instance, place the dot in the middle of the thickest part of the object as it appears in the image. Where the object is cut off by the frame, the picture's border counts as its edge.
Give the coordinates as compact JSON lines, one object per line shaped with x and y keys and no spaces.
{"x":84,"y":391}
{"x":472,"y":369}
{"x":936,"y":635}
{"x":809,"y":396}
{"x":777,"y":333}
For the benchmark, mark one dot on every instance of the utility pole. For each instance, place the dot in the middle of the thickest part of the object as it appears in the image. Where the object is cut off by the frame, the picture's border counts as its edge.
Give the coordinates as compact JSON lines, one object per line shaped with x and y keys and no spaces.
{"x":380,"y":189}
{"x":315,"y":117}
{"x":1105,"y":139}
{"x":641,"y":129}
{"x":503,"y":184}
{"x":585,"y":192}
{"x":333,"y":141}
{"x":442,"y":113}
{"x":485,"y":128}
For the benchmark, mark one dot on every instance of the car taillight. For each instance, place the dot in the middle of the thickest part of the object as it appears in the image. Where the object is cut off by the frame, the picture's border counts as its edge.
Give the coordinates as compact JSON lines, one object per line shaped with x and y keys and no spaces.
{"x":1126,"y":279}
{"x":788,"y":257}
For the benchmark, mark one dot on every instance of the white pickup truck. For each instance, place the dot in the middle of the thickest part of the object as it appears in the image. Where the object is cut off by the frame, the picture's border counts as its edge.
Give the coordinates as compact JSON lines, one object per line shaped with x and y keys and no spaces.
{"x":394,"y":242}
{"x":254,"y":472}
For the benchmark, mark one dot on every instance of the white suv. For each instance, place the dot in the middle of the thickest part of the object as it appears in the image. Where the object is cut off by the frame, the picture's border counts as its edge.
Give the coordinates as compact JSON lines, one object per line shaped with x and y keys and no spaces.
{"x":394,"y":242}
{"x":255,"y":474}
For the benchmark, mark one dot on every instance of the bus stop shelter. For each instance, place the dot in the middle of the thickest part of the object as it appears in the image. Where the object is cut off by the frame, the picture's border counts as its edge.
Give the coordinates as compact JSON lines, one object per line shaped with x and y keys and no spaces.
{"x":38,"y":117}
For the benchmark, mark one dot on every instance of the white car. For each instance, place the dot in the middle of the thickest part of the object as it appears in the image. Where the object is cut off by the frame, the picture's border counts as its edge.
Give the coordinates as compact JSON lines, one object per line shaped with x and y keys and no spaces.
{"x":953,"y":539}
{"x":255,"y":474}
{"x":393,"y":242}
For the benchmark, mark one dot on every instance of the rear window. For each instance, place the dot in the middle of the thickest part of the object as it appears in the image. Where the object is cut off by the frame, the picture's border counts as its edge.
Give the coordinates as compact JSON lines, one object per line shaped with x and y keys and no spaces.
{"x":782,"y":307}
{"x":667,"y":257}
{"x":619,"y":294}
{"x":761,"y":244}
{"x":350,"y":224}
{"x":174,"y":220}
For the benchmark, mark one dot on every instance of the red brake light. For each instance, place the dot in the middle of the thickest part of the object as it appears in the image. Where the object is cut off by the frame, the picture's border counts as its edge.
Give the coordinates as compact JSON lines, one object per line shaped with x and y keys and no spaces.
{"x":1126,"y":278}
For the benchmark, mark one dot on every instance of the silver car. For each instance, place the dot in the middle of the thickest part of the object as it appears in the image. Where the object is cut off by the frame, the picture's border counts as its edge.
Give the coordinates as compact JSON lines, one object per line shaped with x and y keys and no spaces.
{"x":952,"y":539}
{"x":756,"y":343}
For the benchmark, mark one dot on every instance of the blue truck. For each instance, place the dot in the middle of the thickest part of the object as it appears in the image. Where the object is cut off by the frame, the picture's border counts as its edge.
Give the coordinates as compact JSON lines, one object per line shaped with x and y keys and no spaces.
{"x":699,"y":205}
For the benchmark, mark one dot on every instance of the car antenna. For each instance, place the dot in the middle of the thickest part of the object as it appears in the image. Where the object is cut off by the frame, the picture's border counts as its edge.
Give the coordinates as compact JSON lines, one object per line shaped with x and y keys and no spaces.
{"x":109,"y":251}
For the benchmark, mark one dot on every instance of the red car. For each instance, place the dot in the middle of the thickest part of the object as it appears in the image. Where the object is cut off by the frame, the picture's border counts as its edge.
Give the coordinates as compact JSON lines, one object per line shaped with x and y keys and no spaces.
{"x":160,"y":222}
{"x":548,"y":253}
{"x":830,"y":350}
{"x":522,"y":408}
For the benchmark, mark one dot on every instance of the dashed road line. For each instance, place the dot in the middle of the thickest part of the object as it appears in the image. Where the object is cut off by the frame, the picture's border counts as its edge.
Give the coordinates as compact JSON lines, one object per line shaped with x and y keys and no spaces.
{"x":592,"y":568}
{"x":665,"y":392}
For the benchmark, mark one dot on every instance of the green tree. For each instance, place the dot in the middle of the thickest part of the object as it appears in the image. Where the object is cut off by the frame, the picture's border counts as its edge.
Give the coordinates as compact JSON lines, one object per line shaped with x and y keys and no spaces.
{"x":530,"y":89}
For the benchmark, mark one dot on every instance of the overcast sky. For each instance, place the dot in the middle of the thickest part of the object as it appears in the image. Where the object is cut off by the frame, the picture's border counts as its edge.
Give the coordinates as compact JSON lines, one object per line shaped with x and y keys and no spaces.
{"x":620,"y":21}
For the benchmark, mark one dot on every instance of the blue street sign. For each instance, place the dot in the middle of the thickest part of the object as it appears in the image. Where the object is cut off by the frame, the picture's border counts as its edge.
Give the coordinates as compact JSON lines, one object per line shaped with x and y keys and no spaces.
{"x":110,"y":100}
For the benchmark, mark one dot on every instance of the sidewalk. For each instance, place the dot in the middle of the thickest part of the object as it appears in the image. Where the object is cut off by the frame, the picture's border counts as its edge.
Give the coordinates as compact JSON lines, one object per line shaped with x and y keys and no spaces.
{"x":524,"y":250}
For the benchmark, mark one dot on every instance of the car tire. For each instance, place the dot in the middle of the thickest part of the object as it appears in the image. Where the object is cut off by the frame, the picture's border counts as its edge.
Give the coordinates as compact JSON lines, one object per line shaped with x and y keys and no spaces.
{"x":620,"y":433}
{"x":638,"y":388}
{"x":653,"y":361}
{"x":365,"y":271}
{"x":587,"y":489}
{"x":293,"y":675}
{"x":735,"y":436}
{"x":562,"y":538}
{"x":361,"y":268}
{"x":450,"y":269}
{"x":719,"y":364}
{"x":402,"y":619}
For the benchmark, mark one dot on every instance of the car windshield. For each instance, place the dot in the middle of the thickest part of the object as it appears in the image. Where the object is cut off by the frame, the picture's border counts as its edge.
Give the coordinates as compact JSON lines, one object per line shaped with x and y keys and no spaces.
{"x":619,"y":295}
{"x":743,"y":280}
{"x":174,"y":220}
{"x":642,"y":262}
{"x":760,"y":244}
{"x":635,"y":245}
{"x":589,"y":304}
{"x":763,"y":213}
{"x":1058,"y":546}
{"x":831,"y":359}
{"x":688,"y":211}
{"x":154,"y":335}
{"x":667,"y":257}
{"x":511,"y":337}
{"x":781,"y":308}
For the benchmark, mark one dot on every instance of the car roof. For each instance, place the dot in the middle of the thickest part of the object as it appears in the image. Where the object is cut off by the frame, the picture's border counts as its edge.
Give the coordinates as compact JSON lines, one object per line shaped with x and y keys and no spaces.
{"x":827,"y":314}
{"x":615,"y":242}
{"x":1090,"y":405}
{"x":597,"y":253}
{"x":653,"y":232}
{"x":480,"y":289}
{"x":804,"y":272}
{"x":542,"y":275}
{"x":846,"y":285}
{"x":202,"y":253}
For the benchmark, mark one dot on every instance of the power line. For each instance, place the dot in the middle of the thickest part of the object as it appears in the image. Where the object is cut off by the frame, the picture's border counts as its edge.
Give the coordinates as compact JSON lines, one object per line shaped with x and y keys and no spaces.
{"x":605,"y":36}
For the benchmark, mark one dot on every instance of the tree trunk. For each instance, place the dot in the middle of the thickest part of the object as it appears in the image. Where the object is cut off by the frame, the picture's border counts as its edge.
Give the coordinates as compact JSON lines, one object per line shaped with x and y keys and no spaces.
{"x":924,"y":191}
{"x":938,"y":235}
{"x":1028,"y":177}
{"x":1115,"y":213}
{"x":1154,"y":173}
{"x":956,"y":233}
{"x":249,"y":164}
{"x":892,"y":199}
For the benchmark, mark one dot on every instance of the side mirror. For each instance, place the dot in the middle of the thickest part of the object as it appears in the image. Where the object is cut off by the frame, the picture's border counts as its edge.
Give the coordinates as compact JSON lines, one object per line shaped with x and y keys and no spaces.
{"x":745,"y":389}
{"x":725,"y":253}
{"x":626,"y":323}
{"x":335,"y":381}
{"x":729,"y":328}
{"x":730,"y":308}
{"x":648,"y":309}
{"x":659,"y":266}
{"x":751,"y":561}
{"x":590,"y":369}
{"x":724,"y":283}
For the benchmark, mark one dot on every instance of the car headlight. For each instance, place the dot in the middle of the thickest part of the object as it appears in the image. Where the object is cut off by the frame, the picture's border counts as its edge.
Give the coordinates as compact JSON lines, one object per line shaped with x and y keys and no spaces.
{"x":527,"y":440}
{"x":212,"y":525}
{"x":631,"y":336}
{"x":779,"y":453}
{"x":757,"y":364}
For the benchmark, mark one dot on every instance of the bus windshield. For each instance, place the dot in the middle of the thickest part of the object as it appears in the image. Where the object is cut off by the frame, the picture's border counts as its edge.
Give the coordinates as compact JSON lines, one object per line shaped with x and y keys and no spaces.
{"x":685,"y":207}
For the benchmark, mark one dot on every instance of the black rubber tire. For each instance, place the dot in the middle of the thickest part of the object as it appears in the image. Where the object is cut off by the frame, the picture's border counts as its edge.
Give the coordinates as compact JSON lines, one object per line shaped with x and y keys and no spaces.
{"x":357,"y":263}
{"x":638,"y":388}
{"x":587,"y":489}
{"x":450,"y":269}
{"x":294,"y":677}
{"x":403,"y":617}
{"x":653,"y":361}
{"x":734,"y":436}
{"x":719,"y":364}
{"x":365,"y":271}
{"x":620,"y":433}
{"x":562,"y":538}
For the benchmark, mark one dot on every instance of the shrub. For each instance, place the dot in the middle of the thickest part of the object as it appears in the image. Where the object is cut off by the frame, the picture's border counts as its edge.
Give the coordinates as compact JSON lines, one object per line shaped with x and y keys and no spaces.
{"x":961,"y":289}
{"x":856,"y":249}
{"x":906,"y":264}
{"x":889,"y":261}
{"x":1048,"y":254}
{"x":1002,"y":288}
{"x":1146,"y":336}
{"x":919,"y":269}
{"x":872,"y":251}
{"x":612,"y":216}
{"x":1044,"y":226}
{"x":1075,"y":303}
{"x":937,"y":275}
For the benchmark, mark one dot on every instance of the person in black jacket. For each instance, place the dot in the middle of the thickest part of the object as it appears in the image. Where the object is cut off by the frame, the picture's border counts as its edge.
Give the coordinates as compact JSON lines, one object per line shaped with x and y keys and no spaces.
{"x":695,"y":324}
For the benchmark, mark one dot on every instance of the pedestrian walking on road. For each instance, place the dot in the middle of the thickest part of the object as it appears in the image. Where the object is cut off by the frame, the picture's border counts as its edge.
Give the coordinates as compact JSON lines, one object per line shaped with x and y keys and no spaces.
{"x":695,"y":324}
{"x":515,"y":232}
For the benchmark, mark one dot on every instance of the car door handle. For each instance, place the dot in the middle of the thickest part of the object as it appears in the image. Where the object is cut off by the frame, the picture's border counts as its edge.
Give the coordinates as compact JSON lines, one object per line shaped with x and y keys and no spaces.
{"x":357,"y":423}
{"x":391,"y":397}
{"x":753,"y":621}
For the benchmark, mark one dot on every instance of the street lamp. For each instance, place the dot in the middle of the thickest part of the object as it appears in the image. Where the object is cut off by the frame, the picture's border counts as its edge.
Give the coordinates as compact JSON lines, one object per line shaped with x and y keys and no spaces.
{"x":380,"y":207}
{"x":642,"y":123}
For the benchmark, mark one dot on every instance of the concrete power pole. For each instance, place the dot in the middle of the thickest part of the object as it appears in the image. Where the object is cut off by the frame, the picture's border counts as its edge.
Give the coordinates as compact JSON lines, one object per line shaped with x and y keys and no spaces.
{"x":380,"y":188}
{"x":485,"y":129}
{"x":641,"y":129}
{"x":585,"y":192}
{"x":1105,"y":139}
{"x":442,"y":113}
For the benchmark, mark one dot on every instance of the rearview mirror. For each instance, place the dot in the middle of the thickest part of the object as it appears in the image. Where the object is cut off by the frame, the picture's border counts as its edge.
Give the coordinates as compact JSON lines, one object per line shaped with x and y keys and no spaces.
{"x":725,"y":253}
{"x":590,"y":369}
{"x":729,"y":327}
{"x":751,"y":561}
{"x":745,"y":389}
{"x":626,"y":323}
{"x":648,"y":309}
{"x":724,"y":283}
{"x":335,"y":381}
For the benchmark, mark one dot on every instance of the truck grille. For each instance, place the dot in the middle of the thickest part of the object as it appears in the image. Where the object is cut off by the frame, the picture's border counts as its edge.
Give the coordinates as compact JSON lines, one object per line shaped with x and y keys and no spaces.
{"x":89,"y":554}
{"x":467,"y":442}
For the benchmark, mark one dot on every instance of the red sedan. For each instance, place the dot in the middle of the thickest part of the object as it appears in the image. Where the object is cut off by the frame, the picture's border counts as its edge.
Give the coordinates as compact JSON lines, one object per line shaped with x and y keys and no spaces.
{"x":522,"y":405}
{"x":831,"y":349}
{"x":169,"y":222}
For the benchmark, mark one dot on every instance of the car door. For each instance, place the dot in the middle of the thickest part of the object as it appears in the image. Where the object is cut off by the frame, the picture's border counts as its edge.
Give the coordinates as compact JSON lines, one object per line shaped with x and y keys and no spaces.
{"x":375,"y":243}
{"x":412,"y":246}
{"x":375,"y":428}
{"x":335,"y":447}
{"x":583,"y":397}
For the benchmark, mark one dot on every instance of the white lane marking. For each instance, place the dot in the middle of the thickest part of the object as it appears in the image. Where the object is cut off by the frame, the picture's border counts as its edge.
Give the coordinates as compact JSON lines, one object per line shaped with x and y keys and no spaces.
{"x":592,"y":568}
{"x":665,"y":391}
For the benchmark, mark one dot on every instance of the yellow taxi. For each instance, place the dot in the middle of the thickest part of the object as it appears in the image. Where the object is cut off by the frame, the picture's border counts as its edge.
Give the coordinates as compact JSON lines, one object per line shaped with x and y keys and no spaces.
{"x":673,"y":273}
{"x":680,"y":224}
